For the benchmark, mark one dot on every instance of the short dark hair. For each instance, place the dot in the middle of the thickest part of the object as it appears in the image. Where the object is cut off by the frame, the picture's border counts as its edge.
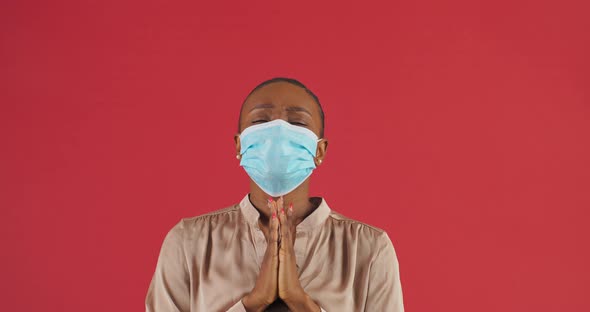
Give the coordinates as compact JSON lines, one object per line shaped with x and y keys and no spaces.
{"x":293,"y":82}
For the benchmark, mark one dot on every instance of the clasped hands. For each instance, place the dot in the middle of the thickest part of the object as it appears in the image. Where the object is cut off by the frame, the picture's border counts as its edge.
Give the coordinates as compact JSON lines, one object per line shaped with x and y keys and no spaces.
{"x":278,"y":276}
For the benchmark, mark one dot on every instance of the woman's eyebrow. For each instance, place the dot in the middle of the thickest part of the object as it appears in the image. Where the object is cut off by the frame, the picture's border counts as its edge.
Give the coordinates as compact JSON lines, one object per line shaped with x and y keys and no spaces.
{"x":289,"y":108}
{"x":298,"y":109}
{"x":260,"y":106}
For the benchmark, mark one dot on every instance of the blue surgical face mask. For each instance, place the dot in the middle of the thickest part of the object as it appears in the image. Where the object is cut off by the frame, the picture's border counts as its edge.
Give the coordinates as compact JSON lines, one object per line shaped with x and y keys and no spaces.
{"x":277,"y":155}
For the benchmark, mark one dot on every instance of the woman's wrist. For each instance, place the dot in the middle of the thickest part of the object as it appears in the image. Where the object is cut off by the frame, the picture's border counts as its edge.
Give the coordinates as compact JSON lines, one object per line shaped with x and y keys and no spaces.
{"x":302,"y":302}
{"x":251,"y":304}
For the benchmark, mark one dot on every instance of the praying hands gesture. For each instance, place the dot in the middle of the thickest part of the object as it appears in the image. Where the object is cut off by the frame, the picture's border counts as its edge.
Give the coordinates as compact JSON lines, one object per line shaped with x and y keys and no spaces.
{"x":278,"y":276}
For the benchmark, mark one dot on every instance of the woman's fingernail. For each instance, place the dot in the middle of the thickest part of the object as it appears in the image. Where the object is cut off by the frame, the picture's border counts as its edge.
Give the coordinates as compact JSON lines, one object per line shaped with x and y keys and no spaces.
{"x":283,"y":210}
{"x":274,"y":215}
{"x":291,"y":207}
{"x":270,"y":200}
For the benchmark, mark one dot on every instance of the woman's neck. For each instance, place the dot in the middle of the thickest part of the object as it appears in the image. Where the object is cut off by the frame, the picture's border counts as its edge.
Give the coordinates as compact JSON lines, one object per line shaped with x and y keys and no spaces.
{"x":302,"y":206}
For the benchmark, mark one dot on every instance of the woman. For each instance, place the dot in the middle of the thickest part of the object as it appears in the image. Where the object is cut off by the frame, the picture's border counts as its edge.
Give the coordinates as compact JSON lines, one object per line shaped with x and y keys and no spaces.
{"x":277,"y":249}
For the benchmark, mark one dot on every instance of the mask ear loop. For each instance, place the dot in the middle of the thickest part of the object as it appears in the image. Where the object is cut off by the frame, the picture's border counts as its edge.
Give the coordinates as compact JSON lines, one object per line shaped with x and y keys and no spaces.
{"x":319,"y":160}
{"x":239,"y":156}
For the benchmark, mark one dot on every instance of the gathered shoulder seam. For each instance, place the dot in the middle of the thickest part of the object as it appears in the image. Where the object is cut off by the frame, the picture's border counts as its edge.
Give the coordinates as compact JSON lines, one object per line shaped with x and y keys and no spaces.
{"x":226,"y":210}
{"x":341,"y":218}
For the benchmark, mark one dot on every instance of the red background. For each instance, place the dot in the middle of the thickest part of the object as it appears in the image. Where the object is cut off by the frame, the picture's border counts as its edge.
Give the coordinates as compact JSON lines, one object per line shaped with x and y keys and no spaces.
{"x":460,"y":127}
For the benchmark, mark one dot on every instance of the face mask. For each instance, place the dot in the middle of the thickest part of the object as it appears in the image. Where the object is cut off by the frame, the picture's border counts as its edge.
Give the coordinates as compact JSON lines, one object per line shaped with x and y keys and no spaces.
{"x":277,"y":155}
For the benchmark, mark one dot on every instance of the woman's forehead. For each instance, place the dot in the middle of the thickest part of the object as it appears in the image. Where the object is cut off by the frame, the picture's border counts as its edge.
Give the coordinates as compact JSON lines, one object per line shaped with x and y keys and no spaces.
{"x":280,"y":95}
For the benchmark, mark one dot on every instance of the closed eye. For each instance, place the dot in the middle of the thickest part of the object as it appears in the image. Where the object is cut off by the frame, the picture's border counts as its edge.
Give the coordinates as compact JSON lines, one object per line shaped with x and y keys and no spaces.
{"x":291,"y":122}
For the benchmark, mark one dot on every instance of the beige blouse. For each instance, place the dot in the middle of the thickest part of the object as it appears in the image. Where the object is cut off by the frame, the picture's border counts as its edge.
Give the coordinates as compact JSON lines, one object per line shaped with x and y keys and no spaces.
{"x":210,"y":262}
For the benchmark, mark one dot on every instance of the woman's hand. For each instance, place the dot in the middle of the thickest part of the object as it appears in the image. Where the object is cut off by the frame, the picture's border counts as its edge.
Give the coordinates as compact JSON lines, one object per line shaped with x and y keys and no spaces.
{"x":289,"y":285}
{"x":290,"y":289}
{"x":265,"y":290}
{"x":278,"y":276}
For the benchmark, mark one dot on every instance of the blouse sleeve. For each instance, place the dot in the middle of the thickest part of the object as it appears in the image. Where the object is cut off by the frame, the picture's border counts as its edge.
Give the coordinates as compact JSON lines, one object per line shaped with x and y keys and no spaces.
{"x":238,"y":307}
{"x":169,"y":287}
{"x":385,"y":291}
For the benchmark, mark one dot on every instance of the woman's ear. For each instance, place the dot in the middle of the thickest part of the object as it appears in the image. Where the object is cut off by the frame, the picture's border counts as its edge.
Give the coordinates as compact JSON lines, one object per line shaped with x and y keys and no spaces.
{"x":321,"y":150}
{"x":238,"y":145}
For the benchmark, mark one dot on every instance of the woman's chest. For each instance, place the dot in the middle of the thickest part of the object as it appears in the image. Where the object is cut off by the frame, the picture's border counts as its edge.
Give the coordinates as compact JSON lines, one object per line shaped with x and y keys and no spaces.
{"x":335,"y":277}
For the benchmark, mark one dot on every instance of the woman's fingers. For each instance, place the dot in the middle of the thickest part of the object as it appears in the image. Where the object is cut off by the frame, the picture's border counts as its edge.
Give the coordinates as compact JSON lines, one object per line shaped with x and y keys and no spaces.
{"x":282,"y":224}
{"x":279,"y":207}
{"x":290,"y":215}
{"x":285,"y":229}
{"x":280,"y":202}
{"x":274,"y":226}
